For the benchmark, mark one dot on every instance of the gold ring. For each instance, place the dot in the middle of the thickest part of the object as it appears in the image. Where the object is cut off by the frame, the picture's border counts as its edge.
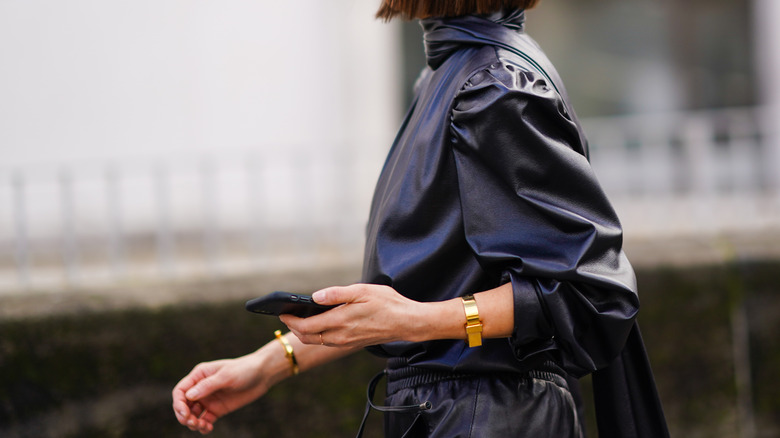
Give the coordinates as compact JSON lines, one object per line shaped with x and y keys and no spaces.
{"x":321,"y":341}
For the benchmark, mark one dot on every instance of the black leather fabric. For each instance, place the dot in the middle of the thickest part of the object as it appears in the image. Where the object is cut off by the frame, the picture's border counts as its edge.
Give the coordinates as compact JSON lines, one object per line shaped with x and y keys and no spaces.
{"x":488,"y":182}
{"x":506,"y":405}
{"x":627,"y":403}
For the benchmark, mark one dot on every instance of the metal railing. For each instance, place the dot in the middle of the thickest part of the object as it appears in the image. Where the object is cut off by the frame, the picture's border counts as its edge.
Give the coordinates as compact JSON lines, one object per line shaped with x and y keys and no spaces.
{"x":715,"y":151}
{"x":181,"y":217}
{"x":685,"y":173}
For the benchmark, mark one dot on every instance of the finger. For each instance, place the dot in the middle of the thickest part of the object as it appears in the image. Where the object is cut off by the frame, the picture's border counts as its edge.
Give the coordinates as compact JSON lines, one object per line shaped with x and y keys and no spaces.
{"x":208,"y":416}
{"x":182,"y":412}
{"x":185,"y":410}
{"x":202,"y":420}
{"x":293,"y":323}
{"x":306,"y":338}
{"x":204,"y":388}
{"x":201,"y":372}
{"x":290,"y":320}
{"x":192,"y":424}
{"x":335,"y":295}
{"x":205,"y":428}
{"x":190,"y":379}
{"x":197,"y":409}
{"x":180,"y":407}
{"x":205,"y":422}
{"x":314,"y":338}
{"x":308,"y":329}
{"x":190,"y":420}
{"x":306,"y":326}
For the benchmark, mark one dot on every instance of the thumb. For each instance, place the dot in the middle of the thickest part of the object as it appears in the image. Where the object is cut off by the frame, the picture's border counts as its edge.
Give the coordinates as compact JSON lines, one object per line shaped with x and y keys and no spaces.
{"x":204,"y":388}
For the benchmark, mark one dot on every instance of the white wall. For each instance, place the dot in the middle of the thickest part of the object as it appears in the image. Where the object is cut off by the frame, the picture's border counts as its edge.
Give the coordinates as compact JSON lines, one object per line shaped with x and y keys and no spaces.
{"x":89,"y":82}
{"x":767,"y":53}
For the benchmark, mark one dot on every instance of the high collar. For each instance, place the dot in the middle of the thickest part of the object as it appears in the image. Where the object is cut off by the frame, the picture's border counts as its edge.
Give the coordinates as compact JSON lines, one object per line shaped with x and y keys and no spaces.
{"x":445,"y":35}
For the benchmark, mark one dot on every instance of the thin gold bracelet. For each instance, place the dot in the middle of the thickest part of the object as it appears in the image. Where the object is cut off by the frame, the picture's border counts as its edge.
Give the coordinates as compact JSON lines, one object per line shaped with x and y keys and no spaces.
{"x":473,"y":323}
{"x":288,"y":352}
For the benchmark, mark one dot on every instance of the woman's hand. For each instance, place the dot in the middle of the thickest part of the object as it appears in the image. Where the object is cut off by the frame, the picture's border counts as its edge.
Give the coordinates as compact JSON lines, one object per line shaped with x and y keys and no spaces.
{"x":369,"y":315}
{"x":372,"y":314}
{"x":213,"y":389}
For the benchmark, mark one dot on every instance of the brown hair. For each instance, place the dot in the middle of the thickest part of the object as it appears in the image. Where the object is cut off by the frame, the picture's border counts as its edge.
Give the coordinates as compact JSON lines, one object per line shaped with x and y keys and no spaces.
{"x":411,"y":9}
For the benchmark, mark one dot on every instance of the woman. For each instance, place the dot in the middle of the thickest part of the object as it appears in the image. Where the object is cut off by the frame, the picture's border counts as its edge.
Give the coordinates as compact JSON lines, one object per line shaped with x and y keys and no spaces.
{"x":487,"y":190}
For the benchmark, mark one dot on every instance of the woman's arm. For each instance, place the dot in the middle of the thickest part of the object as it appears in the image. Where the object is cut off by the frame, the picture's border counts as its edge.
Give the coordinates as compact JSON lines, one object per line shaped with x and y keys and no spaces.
{"x":373,"y":314}
{"x":370,"y":315}
{"x":534,"y":214}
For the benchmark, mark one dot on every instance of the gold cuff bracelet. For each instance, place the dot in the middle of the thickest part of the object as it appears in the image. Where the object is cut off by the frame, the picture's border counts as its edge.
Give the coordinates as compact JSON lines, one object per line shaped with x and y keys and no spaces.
{"x":288,"y":351}
{"x":473,"y":323}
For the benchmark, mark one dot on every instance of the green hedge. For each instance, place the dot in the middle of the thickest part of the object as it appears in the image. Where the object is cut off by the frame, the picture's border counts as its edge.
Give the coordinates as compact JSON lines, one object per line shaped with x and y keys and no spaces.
{"x":109,"y":374}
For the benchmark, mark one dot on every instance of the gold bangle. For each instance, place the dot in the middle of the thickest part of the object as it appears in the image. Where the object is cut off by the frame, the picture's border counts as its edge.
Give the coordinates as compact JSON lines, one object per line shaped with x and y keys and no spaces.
{"x":473,"y":323}
{"x":288,"y":351}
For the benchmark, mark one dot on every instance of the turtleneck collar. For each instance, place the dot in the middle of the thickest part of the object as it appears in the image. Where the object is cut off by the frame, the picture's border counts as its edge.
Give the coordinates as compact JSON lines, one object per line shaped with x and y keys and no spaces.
{"x":445,"y":35}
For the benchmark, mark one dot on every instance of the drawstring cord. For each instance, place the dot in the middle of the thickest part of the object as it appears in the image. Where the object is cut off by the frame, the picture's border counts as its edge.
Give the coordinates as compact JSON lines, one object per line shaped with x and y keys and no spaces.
{"x":370,"y":403}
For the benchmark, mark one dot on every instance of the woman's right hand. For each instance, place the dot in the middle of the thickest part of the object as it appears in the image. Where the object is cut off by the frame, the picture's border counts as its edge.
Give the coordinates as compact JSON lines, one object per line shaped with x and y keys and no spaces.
{"x":214,"y":389}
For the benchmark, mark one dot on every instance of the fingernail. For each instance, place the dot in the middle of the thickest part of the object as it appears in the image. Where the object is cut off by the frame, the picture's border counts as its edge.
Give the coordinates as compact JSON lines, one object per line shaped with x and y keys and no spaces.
{"x":319,"y":296}
{"x":191,"y":423}
{"x":182,"y":414}
{"x":192,"y":394}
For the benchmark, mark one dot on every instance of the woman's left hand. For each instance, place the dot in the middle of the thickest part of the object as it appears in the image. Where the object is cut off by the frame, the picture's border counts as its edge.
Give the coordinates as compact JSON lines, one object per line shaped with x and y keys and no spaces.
{"x":368,"y":315}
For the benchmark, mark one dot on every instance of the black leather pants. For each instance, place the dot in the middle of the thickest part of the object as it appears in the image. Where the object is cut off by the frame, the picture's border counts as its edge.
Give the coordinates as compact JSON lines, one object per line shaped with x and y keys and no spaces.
{"x":537,"y":404}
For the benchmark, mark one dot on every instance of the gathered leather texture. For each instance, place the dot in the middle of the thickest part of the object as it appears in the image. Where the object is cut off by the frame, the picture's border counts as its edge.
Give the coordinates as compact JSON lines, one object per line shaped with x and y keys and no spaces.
{"x":488,"y":182}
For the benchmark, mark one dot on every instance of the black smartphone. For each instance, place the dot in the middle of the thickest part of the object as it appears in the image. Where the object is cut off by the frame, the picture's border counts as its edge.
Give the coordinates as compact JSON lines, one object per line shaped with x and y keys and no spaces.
{"x":277,"y":303}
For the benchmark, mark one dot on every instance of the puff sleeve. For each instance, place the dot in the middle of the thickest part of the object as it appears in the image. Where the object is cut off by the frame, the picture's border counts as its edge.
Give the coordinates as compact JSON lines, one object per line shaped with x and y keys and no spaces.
{"x":534,"y":214}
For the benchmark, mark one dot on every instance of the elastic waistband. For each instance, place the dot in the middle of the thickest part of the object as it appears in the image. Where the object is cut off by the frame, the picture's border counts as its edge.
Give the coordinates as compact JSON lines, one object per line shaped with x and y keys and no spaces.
{"x":401,"y":375}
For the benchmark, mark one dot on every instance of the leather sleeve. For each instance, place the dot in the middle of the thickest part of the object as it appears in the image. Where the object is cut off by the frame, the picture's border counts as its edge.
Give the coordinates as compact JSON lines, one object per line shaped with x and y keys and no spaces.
{"x":535,"y":215}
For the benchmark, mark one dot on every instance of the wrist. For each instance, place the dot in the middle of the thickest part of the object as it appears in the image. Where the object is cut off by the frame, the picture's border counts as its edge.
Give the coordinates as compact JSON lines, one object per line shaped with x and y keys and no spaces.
{"x":438,"y":320}
{"x":447,"y":319}
{"x":271,"y":363}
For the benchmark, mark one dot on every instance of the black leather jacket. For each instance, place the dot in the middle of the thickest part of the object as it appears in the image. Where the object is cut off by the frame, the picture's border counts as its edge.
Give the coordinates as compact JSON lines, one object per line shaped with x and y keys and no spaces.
{"x":487,"y":182}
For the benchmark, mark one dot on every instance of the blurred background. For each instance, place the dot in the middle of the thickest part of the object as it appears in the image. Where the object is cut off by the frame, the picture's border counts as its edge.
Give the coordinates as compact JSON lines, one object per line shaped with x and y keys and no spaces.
{"x":163,"y":161}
